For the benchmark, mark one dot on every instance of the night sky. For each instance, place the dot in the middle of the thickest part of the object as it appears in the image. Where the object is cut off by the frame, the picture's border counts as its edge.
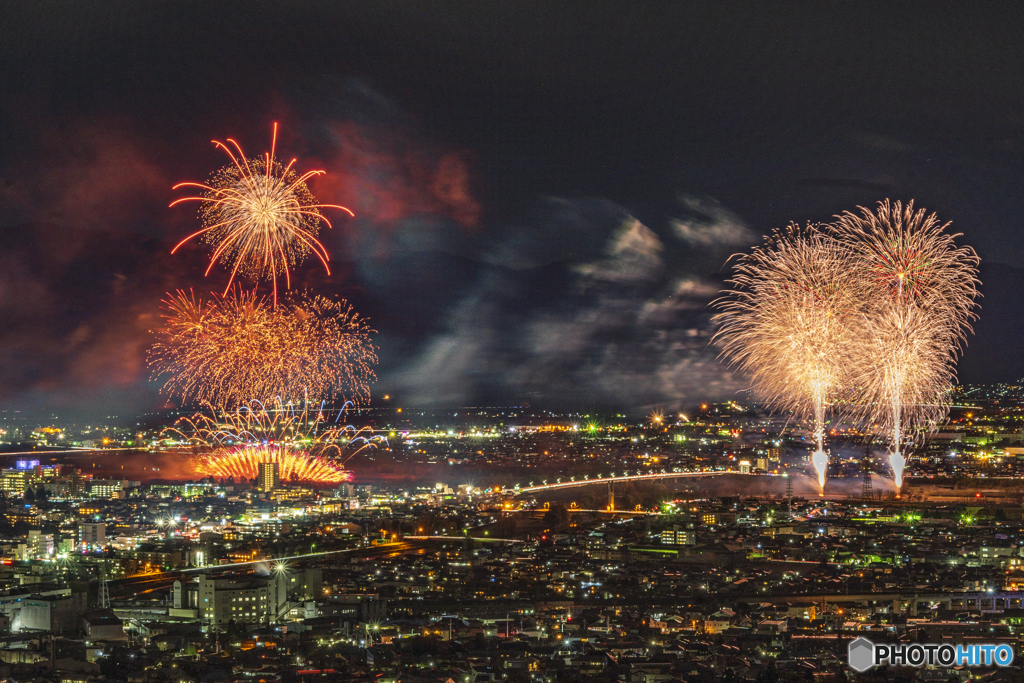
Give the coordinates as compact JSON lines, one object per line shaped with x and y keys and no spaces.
{"x":546,"y":193}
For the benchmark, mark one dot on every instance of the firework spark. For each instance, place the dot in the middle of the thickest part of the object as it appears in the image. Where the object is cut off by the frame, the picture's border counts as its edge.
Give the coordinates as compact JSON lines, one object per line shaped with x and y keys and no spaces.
{"x":920,"y":294}
{"x":259,"y":215}
{"x":786,"y":323}
{"x":820,"y":461}
{"x":239,"y":345}
{"x":243,"y":463}
{"x":307,"y":446}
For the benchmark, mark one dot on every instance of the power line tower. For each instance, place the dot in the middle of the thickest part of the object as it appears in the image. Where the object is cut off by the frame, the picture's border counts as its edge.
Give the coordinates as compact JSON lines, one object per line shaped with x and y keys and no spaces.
{"x":867,"y":492}
{"x":104,"y":596}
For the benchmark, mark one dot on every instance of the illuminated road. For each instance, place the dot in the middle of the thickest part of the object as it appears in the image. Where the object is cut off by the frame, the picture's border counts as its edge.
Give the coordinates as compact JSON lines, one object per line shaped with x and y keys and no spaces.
{"x":153,"y":583}
{"x":650,"y":476}
{"x":463,"y":538}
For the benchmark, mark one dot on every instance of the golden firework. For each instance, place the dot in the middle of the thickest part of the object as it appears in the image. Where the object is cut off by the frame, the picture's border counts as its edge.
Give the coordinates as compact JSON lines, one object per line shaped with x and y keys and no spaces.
{"x":259,"y":215}
{"x":243,"y":463}
{"x":240,"y":345}
{"x":786,"y":323}
{"x":866,"y":316}
{"x":302,"y":440}
{"x":920,"y":292}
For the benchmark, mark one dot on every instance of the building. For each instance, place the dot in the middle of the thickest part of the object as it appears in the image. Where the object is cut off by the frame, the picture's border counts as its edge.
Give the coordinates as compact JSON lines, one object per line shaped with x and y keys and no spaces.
{"x":92,"y":536}
{"x":50,"y":613}
{"x":269,"y":476}
{"x":304,"y":584}
{"x":100,"y":488}
{"x":37,"y":545}
{"x":14,"y":481}
{"x":29,"y":515}
{"x":364,"y":607}
{"x":293,"y":493}
{"x":676,"y":536}
{"x":149,"y":559}
{"x":220,"y":601}
{"x":102,"y":624}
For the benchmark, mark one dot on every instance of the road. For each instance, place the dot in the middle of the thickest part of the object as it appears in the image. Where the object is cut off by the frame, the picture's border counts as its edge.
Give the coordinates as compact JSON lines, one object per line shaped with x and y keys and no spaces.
{"x":148,"y":584}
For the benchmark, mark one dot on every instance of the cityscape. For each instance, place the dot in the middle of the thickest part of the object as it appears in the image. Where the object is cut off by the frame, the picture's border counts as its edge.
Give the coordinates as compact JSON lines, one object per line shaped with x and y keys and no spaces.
{"x":511,"y":343}
{"x":690,"y":547}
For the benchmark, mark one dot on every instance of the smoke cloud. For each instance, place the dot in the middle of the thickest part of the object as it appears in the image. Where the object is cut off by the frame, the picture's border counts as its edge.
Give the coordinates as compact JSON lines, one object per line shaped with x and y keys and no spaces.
{"x":625,"y":323}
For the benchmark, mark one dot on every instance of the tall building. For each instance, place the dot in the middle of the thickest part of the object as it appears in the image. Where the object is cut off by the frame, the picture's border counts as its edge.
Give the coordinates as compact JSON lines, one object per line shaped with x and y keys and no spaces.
{"x":37,"y":546}
{"x":92,"y":536}
{"x":269,"y":476}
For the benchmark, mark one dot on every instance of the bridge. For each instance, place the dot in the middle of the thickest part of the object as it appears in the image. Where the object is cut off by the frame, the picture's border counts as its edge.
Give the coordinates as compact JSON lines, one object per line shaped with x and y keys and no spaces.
{"x":573,"y":482}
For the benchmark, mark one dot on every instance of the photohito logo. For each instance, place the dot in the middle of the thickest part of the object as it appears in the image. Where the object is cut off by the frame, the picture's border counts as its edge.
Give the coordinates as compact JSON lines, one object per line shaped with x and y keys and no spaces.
{"x":863,"y":654}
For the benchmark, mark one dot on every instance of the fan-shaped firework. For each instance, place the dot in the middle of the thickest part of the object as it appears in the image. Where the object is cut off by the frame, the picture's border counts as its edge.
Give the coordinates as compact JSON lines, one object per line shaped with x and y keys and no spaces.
{"x":260,"y":215}
{"x":243,"y":463}
{"x":236,"y":346}
{"x":920,"y":292}
{"x":306,"y":445}
{"x":786,"y":323}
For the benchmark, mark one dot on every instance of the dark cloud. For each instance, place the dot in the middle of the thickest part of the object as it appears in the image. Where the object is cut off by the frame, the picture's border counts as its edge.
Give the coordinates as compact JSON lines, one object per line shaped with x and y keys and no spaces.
{"x":627,"y":325}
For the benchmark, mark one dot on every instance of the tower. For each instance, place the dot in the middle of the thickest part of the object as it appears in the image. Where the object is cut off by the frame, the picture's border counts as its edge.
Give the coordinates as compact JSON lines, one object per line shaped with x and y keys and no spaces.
{"x":867,"y":493}
{"x":611,"y":497}
{"x":789,"y":494}
{"x":104,"y":594}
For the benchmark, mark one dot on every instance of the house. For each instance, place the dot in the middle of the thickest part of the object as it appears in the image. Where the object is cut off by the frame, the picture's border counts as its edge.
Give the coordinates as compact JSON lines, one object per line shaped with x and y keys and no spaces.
{"x":719,"y":621}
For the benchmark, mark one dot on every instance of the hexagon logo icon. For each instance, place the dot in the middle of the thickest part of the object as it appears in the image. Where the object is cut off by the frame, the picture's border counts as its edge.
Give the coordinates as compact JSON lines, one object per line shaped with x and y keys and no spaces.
{"x":861,"y":654}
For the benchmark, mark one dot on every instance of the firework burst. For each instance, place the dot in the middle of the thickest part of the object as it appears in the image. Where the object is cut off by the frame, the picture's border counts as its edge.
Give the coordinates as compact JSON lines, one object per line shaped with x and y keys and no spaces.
{"x":240,"y":345}
{"x":786,"y":323}
{"x":243,"y":463}
{"x":259,"y":215}
{"x":307,"y":446}
{"x":920,"y":294}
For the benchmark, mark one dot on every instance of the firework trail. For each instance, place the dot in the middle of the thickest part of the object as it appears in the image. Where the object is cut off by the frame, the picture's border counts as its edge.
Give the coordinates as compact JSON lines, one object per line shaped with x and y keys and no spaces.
{"x":240,"y":345}
{"x":259,"y":215}
{"x":786,"y":323}
{"x":920,"y":291}
{"x":307,"y":446}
